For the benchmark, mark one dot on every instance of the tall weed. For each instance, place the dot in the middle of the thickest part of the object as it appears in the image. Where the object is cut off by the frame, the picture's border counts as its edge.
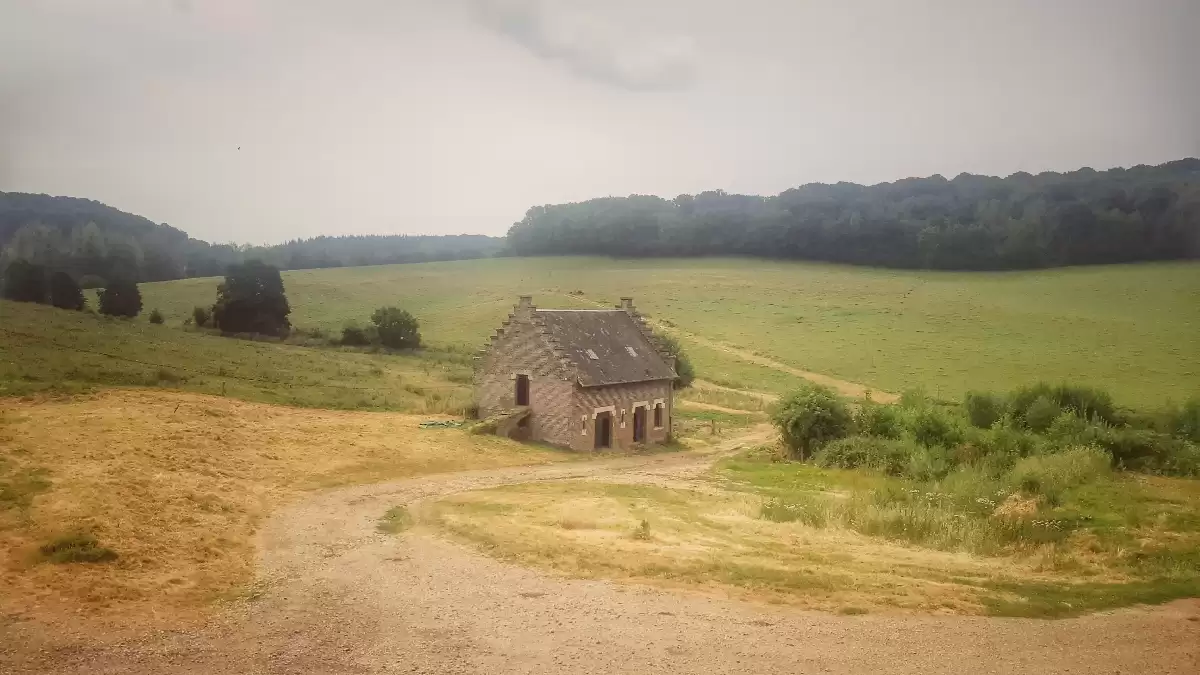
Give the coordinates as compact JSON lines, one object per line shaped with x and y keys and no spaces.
{"x":1050,"y":476}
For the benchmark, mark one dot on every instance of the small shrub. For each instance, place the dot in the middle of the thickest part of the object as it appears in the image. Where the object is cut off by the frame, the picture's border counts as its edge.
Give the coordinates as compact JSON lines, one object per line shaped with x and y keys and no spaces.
{"x":683,"y":365}
{"x":1089,"y":403}
{"x":156,"y":317}
{"x":933,"y":427}
{"x":810,"y":417}
{"x":1151,"y":451}
{"x":355,"y":336}
{"x":642,"y":531}
{"x":873,"y":419}
{"x":867,"y":452}
{"x":927,"y":464}
{"x":1051,"y":475}
{"x":201,"y":316}
{"x":1184,"y":421}
{"x":1021,"y":398}
{"x":1041,"y":413}
{"x":397,"y":329}
{"x":76,"y":548}
{"x":983,"y":409}
{"x":396,"y":520}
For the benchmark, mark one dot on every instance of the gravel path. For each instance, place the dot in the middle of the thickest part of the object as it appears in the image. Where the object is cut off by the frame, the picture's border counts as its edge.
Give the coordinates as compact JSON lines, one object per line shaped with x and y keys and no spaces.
{"x":339,"y":597}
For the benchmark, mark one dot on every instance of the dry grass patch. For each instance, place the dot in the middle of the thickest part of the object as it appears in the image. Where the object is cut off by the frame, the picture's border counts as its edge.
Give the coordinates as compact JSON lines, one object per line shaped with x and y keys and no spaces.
{"x":715,"y":539}
{"x":176,"y":484}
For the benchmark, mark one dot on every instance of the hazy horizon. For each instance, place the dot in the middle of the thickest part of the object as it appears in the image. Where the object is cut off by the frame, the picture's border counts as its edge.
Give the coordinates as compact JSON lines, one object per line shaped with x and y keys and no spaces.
{"x":259,"y":121}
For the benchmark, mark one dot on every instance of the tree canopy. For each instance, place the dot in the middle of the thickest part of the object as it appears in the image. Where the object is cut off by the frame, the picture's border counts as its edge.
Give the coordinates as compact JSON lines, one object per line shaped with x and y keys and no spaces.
{"x":396,"y":328}
{"x":65,"y":292}
{"x":93,"y":240}
{"x":121,"y":297}
{"x":252,"y":300}
{"x":25,"y":282}
{"x":970,"y":223}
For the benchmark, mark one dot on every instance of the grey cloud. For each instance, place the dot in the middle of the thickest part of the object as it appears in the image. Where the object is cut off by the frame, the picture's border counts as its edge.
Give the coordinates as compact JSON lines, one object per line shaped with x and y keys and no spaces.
{"x":610,"y":49}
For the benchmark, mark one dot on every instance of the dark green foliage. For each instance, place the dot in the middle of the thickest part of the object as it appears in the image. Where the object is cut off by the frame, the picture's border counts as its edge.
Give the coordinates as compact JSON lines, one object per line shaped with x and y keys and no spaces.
{"x":397,"y":328}
{"x":94,"y":241}
{"x":65,"y":293}
{"x":1041,"y":413}
{"x":251,"y":300}
{"x":810,"y":417}
{"x":874,"y":419}
{"x":867,"y":452}
{"x":121,"y":298}
{"x":683,"y":365}
{"x":156,"y":317}
{"x":25,"y":282}
{"x":970,"y":222}
{"x":92,"y":281}
{"x":201,"y":316}
{"x":1087,"y":402}
{"x":1151,"y":451}
{"x":1184,"y":421}
{"x":933,"y":427}
{"x":983,"y":409}
{"x":77,"y":548}
{"x":354,"y":335}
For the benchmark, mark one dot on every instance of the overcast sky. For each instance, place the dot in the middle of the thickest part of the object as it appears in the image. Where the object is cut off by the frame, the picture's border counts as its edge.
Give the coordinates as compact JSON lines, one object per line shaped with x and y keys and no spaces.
{"x":263,"y":120}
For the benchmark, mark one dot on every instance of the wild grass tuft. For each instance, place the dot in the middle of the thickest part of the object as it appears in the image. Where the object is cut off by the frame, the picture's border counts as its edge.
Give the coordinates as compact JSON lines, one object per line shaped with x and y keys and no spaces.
{"x":396,"y":520}
{"x":77,"y":547}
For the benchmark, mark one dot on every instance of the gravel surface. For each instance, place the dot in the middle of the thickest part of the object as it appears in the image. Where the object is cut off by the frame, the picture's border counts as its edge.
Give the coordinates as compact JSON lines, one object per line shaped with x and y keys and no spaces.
{"x":337,"y":596}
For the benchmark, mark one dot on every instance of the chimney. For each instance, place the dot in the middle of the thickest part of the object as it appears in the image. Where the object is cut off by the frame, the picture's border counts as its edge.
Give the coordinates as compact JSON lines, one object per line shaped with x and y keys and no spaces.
{"x":524,"y":307}
{"x":627,"y":305}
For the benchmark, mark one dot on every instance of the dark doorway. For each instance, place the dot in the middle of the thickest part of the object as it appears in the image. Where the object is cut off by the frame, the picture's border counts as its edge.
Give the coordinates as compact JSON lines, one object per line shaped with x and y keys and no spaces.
{"x":639,"y":424}
{"x":603,"y":430}
{"x":522,"y":390}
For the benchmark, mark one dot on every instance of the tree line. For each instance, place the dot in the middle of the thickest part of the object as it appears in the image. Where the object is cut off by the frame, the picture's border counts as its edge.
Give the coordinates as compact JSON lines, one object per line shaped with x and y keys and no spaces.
{"x":969,"y":223}
{"x":97,"y":244}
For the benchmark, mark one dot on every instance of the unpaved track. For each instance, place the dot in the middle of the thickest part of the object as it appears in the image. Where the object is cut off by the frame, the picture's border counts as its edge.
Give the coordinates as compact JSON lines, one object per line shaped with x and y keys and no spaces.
{"x":339,"y":597}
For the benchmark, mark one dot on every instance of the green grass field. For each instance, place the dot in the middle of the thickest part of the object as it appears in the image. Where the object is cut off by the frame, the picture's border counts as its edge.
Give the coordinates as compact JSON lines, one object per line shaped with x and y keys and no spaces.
{"x":1132,"y":329}
{"x":47,"y":349}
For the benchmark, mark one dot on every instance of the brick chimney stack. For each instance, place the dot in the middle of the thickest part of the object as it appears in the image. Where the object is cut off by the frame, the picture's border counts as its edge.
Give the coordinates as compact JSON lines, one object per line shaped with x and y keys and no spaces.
{"x":525,"y":306}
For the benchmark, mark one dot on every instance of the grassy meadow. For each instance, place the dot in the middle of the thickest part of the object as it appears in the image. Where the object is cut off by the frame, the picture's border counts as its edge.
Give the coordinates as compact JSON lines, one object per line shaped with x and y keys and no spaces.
{"x":855,"y":541}
{"x":52,"y":350}
{"x":1131,"y":329}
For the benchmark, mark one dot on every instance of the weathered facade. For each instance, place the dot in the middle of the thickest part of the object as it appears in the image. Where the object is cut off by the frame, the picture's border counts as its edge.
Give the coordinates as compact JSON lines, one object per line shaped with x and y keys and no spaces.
{"x":592,"y":379}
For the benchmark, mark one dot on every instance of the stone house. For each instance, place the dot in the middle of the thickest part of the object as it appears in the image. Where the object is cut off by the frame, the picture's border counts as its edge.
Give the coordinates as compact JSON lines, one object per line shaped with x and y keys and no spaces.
{"x":591,"y":378}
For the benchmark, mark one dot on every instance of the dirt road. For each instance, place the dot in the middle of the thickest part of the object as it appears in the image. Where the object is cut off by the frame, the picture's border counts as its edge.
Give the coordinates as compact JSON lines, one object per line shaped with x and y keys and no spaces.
{"x":339,"y":597}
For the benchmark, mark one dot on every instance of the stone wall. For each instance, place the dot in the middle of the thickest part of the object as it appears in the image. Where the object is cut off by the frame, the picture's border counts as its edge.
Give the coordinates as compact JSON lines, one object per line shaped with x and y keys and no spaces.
{"x":520,"y":349}
{"x":621,"y":398}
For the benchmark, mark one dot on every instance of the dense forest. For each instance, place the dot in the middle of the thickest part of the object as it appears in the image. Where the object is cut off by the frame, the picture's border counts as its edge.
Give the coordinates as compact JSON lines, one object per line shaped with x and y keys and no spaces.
{"x":968,"y":223}
{"x":96,"y":243}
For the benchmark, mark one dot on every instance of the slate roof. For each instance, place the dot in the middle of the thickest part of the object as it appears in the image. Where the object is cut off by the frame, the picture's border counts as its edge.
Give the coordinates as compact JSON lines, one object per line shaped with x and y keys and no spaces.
{"x":605,"y":346}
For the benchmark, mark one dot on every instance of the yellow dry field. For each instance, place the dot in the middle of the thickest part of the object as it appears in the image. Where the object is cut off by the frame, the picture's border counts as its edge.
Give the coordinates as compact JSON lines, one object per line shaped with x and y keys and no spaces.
{"x":177,"y":485}
{"x":708,"y":537}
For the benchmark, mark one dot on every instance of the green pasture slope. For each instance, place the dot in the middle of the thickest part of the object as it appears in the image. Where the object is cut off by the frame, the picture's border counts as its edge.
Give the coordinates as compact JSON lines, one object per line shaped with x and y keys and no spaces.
{"x":1133,"y":329}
